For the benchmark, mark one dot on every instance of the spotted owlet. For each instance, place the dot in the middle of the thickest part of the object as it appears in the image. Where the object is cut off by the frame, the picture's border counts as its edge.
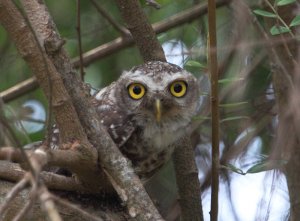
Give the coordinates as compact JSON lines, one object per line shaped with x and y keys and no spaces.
{"x":147,"y":110}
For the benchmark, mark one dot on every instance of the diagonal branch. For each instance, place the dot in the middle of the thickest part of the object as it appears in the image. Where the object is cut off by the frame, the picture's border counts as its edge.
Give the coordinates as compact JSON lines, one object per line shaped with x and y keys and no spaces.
{"x":118,"y":168}
{"x":21,"y":185}
{"x":141,"y":30}
{"x":123,"y":31}
{"x":72,"y":92}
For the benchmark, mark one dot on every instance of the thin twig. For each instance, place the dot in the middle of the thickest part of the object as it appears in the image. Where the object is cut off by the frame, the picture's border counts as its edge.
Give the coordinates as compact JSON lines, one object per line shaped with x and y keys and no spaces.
{"x":279,"y":18}
{"x":117,"y":45}
{"x":16,"y":140}
{"x":135,"y":197}
{"x":13,"y":193}
{"x":67,"y":204}
{"x":19,"y":89}
{"x":213,"y":69}
{"x":24,"y":211}
{"x":271,"y":48}
{"x":48,"y":205}
{"x":123,"y":31}
{"x":78,"y":29}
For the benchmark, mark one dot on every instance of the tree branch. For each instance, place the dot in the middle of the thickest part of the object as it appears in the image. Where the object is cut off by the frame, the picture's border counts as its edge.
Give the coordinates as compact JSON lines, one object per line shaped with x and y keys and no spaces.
{"x":131,"y":191}
{"x":187,"y":181}
{"x":13,"y":193}
{"x":141,"y":30}
{"x":123,"y":31}
{"x":117,"y":45}
{"x":117,"y":166}
{"x":65,"y":203}
{"x":19,"y":89}
{"x":213,"y":69}
{"x":78,"y":30}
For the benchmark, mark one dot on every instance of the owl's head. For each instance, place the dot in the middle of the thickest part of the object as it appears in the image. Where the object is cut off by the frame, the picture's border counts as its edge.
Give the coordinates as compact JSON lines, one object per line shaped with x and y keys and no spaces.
{"x":158,"y":91}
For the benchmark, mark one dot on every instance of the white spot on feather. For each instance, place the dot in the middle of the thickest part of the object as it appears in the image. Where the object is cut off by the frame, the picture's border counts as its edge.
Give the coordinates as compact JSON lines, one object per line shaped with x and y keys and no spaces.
{"x":100,"y":93}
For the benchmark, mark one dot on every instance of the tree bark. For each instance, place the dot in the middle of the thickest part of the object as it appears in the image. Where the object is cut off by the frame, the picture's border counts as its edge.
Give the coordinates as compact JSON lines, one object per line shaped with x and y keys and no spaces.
{"x":141,"y":30}
{"x":41,"y":47}
{"x":187,"y":181}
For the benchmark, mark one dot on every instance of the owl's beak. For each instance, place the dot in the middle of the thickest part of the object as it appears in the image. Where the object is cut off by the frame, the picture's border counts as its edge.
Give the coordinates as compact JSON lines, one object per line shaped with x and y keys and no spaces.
{"x":157,"y":110}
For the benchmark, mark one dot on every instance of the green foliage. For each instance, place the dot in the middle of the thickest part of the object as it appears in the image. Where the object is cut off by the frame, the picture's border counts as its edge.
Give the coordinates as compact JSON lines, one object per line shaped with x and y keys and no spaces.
{"x":285,"y":2}
{"x":196,"y":64}
{"x":233,"y":168}
{"x":295,"y":21}
{"x":260,"y":166}
{"x":264,"y":13}
{"x":231,"y":105}
{"x":234,"y":118}
{"x":283,"y":27}
{"x":276,"y":30}
{"x":229,"y":80}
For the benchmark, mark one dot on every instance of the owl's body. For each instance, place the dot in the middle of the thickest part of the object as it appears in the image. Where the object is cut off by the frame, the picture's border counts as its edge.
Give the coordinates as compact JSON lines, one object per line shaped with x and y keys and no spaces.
{"x":147,"y":110}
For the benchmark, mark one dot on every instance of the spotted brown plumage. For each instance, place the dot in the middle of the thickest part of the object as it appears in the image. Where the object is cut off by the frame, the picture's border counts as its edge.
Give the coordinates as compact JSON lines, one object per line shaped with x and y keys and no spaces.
{"x":147,"y":110}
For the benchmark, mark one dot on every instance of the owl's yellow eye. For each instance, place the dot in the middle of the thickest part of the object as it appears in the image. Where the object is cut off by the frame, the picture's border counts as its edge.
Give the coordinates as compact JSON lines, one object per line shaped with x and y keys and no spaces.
{"x":178,"y":88}
{"x":136,"y":91}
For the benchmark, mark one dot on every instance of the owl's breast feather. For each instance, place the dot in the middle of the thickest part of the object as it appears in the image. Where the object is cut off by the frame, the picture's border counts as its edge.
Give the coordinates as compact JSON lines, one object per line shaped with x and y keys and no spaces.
{"x":161,"y":136}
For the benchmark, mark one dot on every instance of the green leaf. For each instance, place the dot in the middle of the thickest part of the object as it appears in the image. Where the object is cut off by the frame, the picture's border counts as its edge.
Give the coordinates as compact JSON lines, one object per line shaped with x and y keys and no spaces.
{"x":285,"y":2}
{"x":233,"y":104}
{"x":201,"y":118}
{"x":233,"y":168}
{"x":229,"y":80}
{"x":275,"y":30}
{"x":266,"y":165}
{"x":196,"y":64}
{"x":234,"y":118}
{"x":264,"y":13}
{"x":295,"y":21}
{"x":204,"y":93}
{"x":259,"y":167}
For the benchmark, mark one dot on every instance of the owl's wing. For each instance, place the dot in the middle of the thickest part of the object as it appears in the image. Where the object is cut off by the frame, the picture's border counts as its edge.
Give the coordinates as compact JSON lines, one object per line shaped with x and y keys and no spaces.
{"x":117,"y":122}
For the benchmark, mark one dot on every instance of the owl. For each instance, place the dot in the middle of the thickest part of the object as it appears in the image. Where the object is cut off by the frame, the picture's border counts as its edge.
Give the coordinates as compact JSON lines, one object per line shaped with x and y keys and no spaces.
{"x":148,"y":110}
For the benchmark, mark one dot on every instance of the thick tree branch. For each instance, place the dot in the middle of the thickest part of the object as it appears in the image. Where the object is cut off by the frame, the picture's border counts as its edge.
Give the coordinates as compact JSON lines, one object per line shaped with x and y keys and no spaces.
{"x":21,"y":34}
{"x":187,"y":181}
{"x":122,"y":175}
{"x":141,"y":30}
{"x":118,"y":167}
{"x":14,"y":173}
